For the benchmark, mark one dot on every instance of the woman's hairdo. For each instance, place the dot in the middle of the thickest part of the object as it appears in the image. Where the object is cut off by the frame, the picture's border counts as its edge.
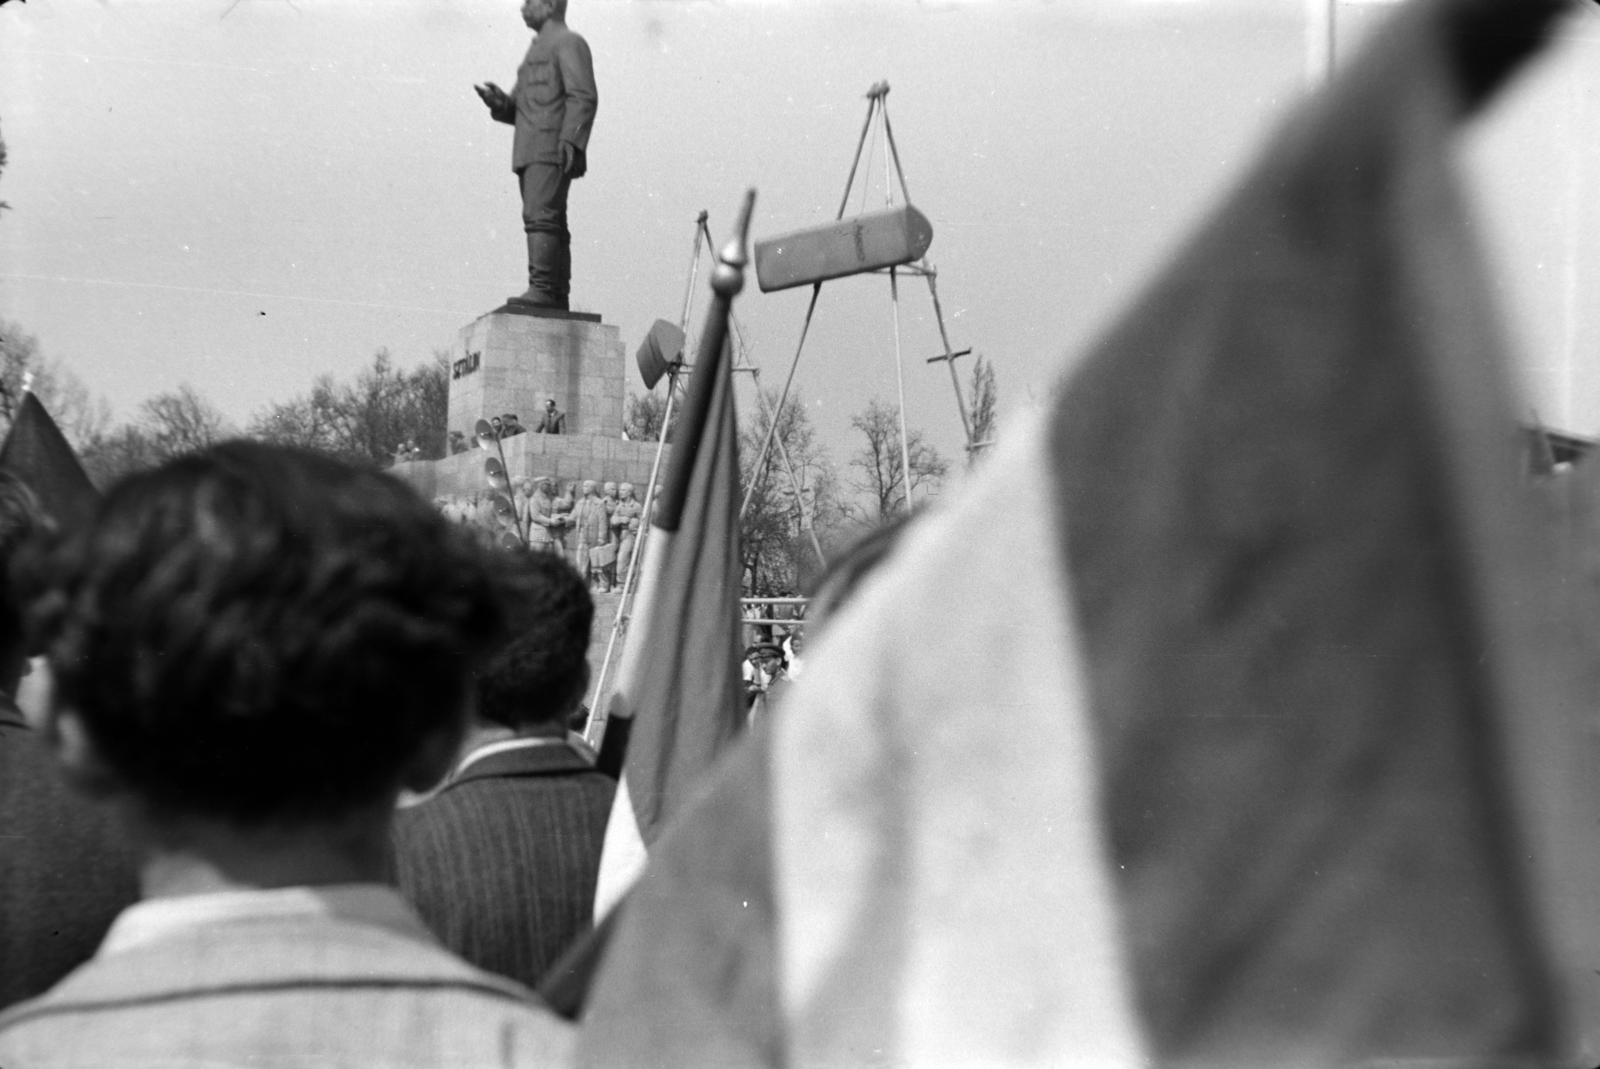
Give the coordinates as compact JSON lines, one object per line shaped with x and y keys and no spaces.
{"x":264,"y":634}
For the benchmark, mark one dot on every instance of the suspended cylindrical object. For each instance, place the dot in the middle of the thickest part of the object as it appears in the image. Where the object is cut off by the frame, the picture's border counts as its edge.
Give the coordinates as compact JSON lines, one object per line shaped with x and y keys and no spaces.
{"x":848,"y":247}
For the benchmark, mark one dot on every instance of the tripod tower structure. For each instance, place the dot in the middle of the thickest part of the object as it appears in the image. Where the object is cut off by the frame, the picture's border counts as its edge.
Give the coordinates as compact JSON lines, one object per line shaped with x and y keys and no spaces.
{"x":891,"y":241}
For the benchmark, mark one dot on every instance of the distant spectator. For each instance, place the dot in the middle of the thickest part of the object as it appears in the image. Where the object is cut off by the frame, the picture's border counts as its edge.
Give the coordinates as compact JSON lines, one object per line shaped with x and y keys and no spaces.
{"x":65,"y":868}
{"x":551,"y":420}
{"x":511,"y":426}
{"x":502,"y":862}
{"x":793,"y":642}
{"x":254,"y":650}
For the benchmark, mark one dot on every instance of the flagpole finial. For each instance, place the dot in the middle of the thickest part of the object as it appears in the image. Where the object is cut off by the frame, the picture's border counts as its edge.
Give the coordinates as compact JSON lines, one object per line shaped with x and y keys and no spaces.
{"x":728,"y":278}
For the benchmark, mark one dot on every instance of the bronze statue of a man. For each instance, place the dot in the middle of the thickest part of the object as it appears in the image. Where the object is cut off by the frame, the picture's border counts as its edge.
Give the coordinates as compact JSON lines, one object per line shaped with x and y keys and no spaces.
{"x":552,"y":106}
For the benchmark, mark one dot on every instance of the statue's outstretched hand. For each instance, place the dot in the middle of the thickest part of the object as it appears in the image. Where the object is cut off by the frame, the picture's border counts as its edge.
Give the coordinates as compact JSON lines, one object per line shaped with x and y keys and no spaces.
{"x":493,"y":96}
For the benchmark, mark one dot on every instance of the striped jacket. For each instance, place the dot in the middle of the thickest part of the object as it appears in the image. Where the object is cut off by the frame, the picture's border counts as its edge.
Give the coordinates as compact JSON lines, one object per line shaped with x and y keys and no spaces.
{"x":502,"y":862}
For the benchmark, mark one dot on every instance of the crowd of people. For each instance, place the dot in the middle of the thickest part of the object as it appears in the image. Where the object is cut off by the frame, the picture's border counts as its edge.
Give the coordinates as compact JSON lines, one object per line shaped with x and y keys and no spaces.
{"x":252,"y":654}
{"x":288,"y":772}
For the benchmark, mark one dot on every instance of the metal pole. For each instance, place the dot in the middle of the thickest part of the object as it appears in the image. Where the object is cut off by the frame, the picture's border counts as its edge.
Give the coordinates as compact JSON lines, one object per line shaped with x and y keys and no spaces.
{"x":893,"y":148}
{"x":766,"y":443}
{"x":900,"y":379}
{"x":874,"y":96}
{"x":594,"y":728}
{"x":949,"y":358}
{"x":694,"y":273}
{"x":794,"y":480}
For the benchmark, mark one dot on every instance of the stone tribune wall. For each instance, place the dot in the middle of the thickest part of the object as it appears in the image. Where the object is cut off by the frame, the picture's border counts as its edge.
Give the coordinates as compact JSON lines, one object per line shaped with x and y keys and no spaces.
{"x":566,"y":457}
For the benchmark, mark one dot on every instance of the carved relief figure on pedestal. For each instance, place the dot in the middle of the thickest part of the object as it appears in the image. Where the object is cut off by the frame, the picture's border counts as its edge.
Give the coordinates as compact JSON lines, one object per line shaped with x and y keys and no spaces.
{"x":520,"y":499}
{"x":608,"y":493}
{"x":592,"y":520}
{"x":561,"y":522}
{"x":625,"y":523}
{"x":543,"y":522}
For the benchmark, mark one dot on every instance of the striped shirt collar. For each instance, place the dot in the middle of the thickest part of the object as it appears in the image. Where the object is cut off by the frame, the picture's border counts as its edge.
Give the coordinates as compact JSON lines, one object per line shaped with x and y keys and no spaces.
{"x":525,"y":742}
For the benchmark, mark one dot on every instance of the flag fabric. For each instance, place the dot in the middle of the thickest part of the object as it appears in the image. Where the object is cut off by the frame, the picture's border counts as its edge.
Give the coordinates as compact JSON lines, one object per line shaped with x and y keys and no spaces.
{"x":679,"y":680}
{"x":1260,"y":731}
{"x":36,"y":452}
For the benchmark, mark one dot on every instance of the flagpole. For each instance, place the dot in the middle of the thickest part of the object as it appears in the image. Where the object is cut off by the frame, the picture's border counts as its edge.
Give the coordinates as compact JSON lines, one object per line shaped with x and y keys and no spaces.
{"x":731,"y":259}
{"x":702,"y":469}
{"x":594,"y":728}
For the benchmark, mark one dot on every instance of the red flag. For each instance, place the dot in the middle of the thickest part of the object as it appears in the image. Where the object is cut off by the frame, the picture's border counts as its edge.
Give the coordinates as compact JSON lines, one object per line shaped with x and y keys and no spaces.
{"x":36,"y":452}
{"x":679,"y":679}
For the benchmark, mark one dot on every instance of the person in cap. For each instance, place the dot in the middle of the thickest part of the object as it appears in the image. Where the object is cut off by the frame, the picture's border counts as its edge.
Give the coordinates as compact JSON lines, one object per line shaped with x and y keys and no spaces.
{"x":254,"y":650}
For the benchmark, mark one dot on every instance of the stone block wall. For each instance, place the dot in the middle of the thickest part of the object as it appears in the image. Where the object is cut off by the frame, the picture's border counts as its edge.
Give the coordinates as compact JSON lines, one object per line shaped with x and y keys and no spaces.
{"x":509,"y":362}
{"x":566,"y":457}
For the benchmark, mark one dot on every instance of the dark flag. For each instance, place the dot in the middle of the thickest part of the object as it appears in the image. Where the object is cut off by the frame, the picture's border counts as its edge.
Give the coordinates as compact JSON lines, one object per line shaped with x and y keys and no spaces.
{"x":1264,"y":736}
{"x":679,"y":680}
{"x":36,"y":452}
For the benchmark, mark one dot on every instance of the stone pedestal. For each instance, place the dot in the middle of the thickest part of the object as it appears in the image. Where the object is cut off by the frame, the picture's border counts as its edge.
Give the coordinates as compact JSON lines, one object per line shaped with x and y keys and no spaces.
{"x":511,"y":359}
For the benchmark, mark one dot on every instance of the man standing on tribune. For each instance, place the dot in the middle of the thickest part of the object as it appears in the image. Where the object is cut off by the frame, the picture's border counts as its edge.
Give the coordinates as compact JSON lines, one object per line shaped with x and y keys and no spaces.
{"x":552,"y":106}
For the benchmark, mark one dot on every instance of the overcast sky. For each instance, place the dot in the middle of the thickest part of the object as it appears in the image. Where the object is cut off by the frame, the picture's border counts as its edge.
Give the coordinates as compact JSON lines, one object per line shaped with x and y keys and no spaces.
{"x":244,"y":195}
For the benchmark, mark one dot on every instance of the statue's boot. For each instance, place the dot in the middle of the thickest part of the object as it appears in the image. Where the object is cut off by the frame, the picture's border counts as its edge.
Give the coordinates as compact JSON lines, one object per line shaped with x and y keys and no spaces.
{"x":563,"y":282}
{"x":547,"y":282}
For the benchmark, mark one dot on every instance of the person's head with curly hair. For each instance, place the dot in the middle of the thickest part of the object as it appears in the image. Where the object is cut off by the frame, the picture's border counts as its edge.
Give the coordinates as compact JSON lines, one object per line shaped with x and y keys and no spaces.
{"x":258,"y":643}
{"x":538,"y":677}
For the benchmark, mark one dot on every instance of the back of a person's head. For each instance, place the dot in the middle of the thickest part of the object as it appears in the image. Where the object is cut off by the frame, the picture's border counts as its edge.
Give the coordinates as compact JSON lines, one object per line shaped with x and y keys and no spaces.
{"x":539,"y":676}
{"x":264,"y":635}
{"x":21,"y":516}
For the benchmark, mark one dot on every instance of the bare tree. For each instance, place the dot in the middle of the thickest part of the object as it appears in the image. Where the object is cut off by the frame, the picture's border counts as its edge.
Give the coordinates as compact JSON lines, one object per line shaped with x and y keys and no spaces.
{"x":122,"y":451}
{"x":644,"y":416}
{"x":880,"y":475}
{"x":181,"y":421}
{"x":777,"y":551}
{"x":366,"y":420}
{"x":81,"y":417}
{"x":310,"y":421}
{"x":984,"y":398}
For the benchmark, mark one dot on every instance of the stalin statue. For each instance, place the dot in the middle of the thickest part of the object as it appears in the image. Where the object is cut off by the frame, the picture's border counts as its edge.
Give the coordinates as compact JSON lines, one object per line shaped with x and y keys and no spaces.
{"x":552,"y":106}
